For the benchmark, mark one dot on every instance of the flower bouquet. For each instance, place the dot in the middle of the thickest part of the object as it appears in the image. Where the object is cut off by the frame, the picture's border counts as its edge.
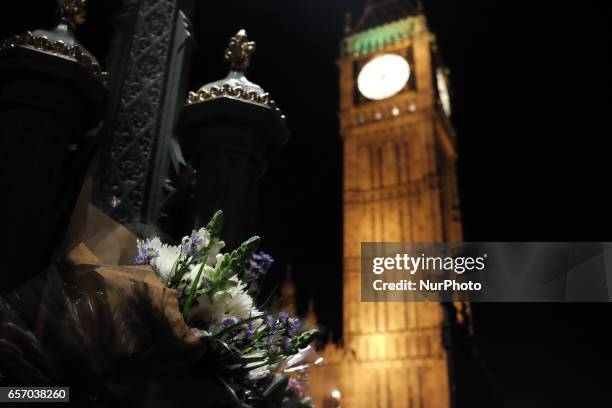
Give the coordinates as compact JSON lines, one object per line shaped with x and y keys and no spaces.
{"x":180,"y":329}
{"x":254,"y":355}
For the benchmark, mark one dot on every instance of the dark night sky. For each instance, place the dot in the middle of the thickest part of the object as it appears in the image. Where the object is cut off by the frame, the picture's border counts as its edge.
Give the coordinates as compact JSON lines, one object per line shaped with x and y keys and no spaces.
{"x":530,"y":82}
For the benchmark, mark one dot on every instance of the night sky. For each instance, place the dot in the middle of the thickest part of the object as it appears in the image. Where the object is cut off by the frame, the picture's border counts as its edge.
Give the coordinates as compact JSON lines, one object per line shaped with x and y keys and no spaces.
{"x":530,"y":86}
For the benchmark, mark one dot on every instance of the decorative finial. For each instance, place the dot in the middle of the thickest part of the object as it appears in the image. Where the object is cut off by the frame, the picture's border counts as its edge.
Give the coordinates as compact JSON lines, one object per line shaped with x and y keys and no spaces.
{"x":72,"y":12}
{"x":239,"y":51}
{"x":236,"y":85}
{"x":347,"y":23}
{"x":419,"y":6}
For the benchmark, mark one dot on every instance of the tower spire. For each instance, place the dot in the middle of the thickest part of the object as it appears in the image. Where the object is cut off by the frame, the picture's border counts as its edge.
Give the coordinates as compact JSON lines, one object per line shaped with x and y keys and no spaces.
{"x":347,"y":23}
{"x":311,"y":316}
{"x":288,"y":293}
{"x":380,"y":12}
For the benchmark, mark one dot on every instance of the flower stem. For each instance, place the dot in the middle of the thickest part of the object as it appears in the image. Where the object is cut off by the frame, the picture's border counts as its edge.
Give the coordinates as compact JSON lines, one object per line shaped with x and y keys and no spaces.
{"x":194,"y":287}
{"x":174,"y":269}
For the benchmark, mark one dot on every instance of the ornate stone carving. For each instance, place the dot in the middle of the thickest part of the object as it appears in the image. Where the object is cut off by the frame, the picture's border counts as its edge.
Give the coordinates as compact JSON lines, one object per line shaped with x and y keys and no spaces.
{"x":127,"y":176}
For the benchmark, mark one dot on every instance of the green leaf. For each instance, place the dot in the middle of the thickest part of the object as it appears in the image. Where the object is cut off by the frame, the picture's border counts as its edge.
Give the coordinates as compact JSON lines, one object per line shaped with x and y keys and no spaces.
{"x":225,"y":346}
{"x":192,"y":292}
{"x":305,"y":338}
{"x":221,"y":268}
{"x":240,"y":255}
{"x":215,"y":224}
{"x":178,"y":275}
{"x":253,"y":366}
{"x":247,"y":248}
{"x":228,"y":284}
{"x":175,"y":267}
{"x":277,"y":388}
{"x":232,"y":395}
{"x":305,"y":402}
{"x":249,"y":360}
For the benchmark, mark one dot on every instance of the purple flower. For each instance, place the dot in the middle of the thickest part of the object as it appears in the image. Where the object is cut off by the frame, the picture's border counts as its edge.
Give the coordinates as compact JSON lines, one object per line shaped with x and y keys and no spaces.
{"x":249,"y":330}
{"x":180,"y":293}
{"x":296,"y":388}
{"x":286,"y":343}
{"x":186,"y":248}
{"x":282,"y":317}
{"x":205,"y":284}
{"x":292,"y":325}
{"x":258,"y":265}
{"x":271,"y":324}
{"x":253,"y":265}
{"x":263,"y":260}
{"x":146,"y":254}
{"x":197,"y":239}
{"x":230,"y":321}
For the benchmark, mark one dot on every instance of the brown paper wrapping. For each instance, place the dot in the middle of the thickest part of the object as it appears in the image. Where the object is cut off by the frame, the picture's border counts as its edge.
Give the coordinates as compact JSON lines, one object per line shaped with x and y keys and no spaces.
{"x":125,"y":290}
{"x":112,"y":333}
{"x":111,"y":242}
{"x":116,"y":299}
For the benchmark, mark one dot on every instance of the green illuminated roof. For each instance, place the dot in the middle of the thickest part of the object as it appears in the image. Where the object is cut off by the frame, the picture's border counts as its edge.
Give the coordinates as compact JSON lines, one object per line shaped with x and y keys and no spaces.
{"x":378,"y":38}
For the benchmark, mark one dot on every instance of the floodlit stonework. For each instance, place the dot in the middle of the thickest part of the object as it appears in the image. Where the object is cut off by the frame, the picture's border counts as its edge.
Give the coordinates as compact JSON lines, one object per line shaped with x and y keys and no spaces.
{"x":399,"y":186}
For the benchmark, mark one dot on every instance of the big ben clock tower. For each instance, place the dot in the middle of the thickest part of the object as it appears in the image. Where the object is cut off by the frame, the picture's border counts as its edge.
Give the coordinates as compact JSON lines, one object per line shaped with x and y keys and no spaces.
{"x":399,"y":186}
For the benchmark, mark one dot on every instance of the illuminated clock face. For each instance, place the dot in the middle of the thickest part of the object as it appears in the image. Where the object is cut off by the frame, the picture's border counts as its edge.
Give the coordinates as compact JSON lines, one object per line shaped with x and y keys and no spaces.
{"x":383,"y":77}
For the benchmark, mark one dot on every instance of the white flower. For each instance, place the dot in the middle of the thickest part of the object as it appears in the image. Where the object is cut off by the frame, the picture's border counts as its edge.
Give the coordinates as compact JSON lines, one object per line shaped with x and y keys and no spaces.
{"x":215,"y":247}
{"x":234,"y":302}
{"x":218,"y":259}
{"x":154,"y":242}
{"x":240,"y":303}
{"x":200,"y":333}
{"x":210,"y":311}
{"x":166,"y":261}
{"x":160,"y":256}
{"x":186,"y":246}
{"x":258,"y":373}
{"x":207,"y":272}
